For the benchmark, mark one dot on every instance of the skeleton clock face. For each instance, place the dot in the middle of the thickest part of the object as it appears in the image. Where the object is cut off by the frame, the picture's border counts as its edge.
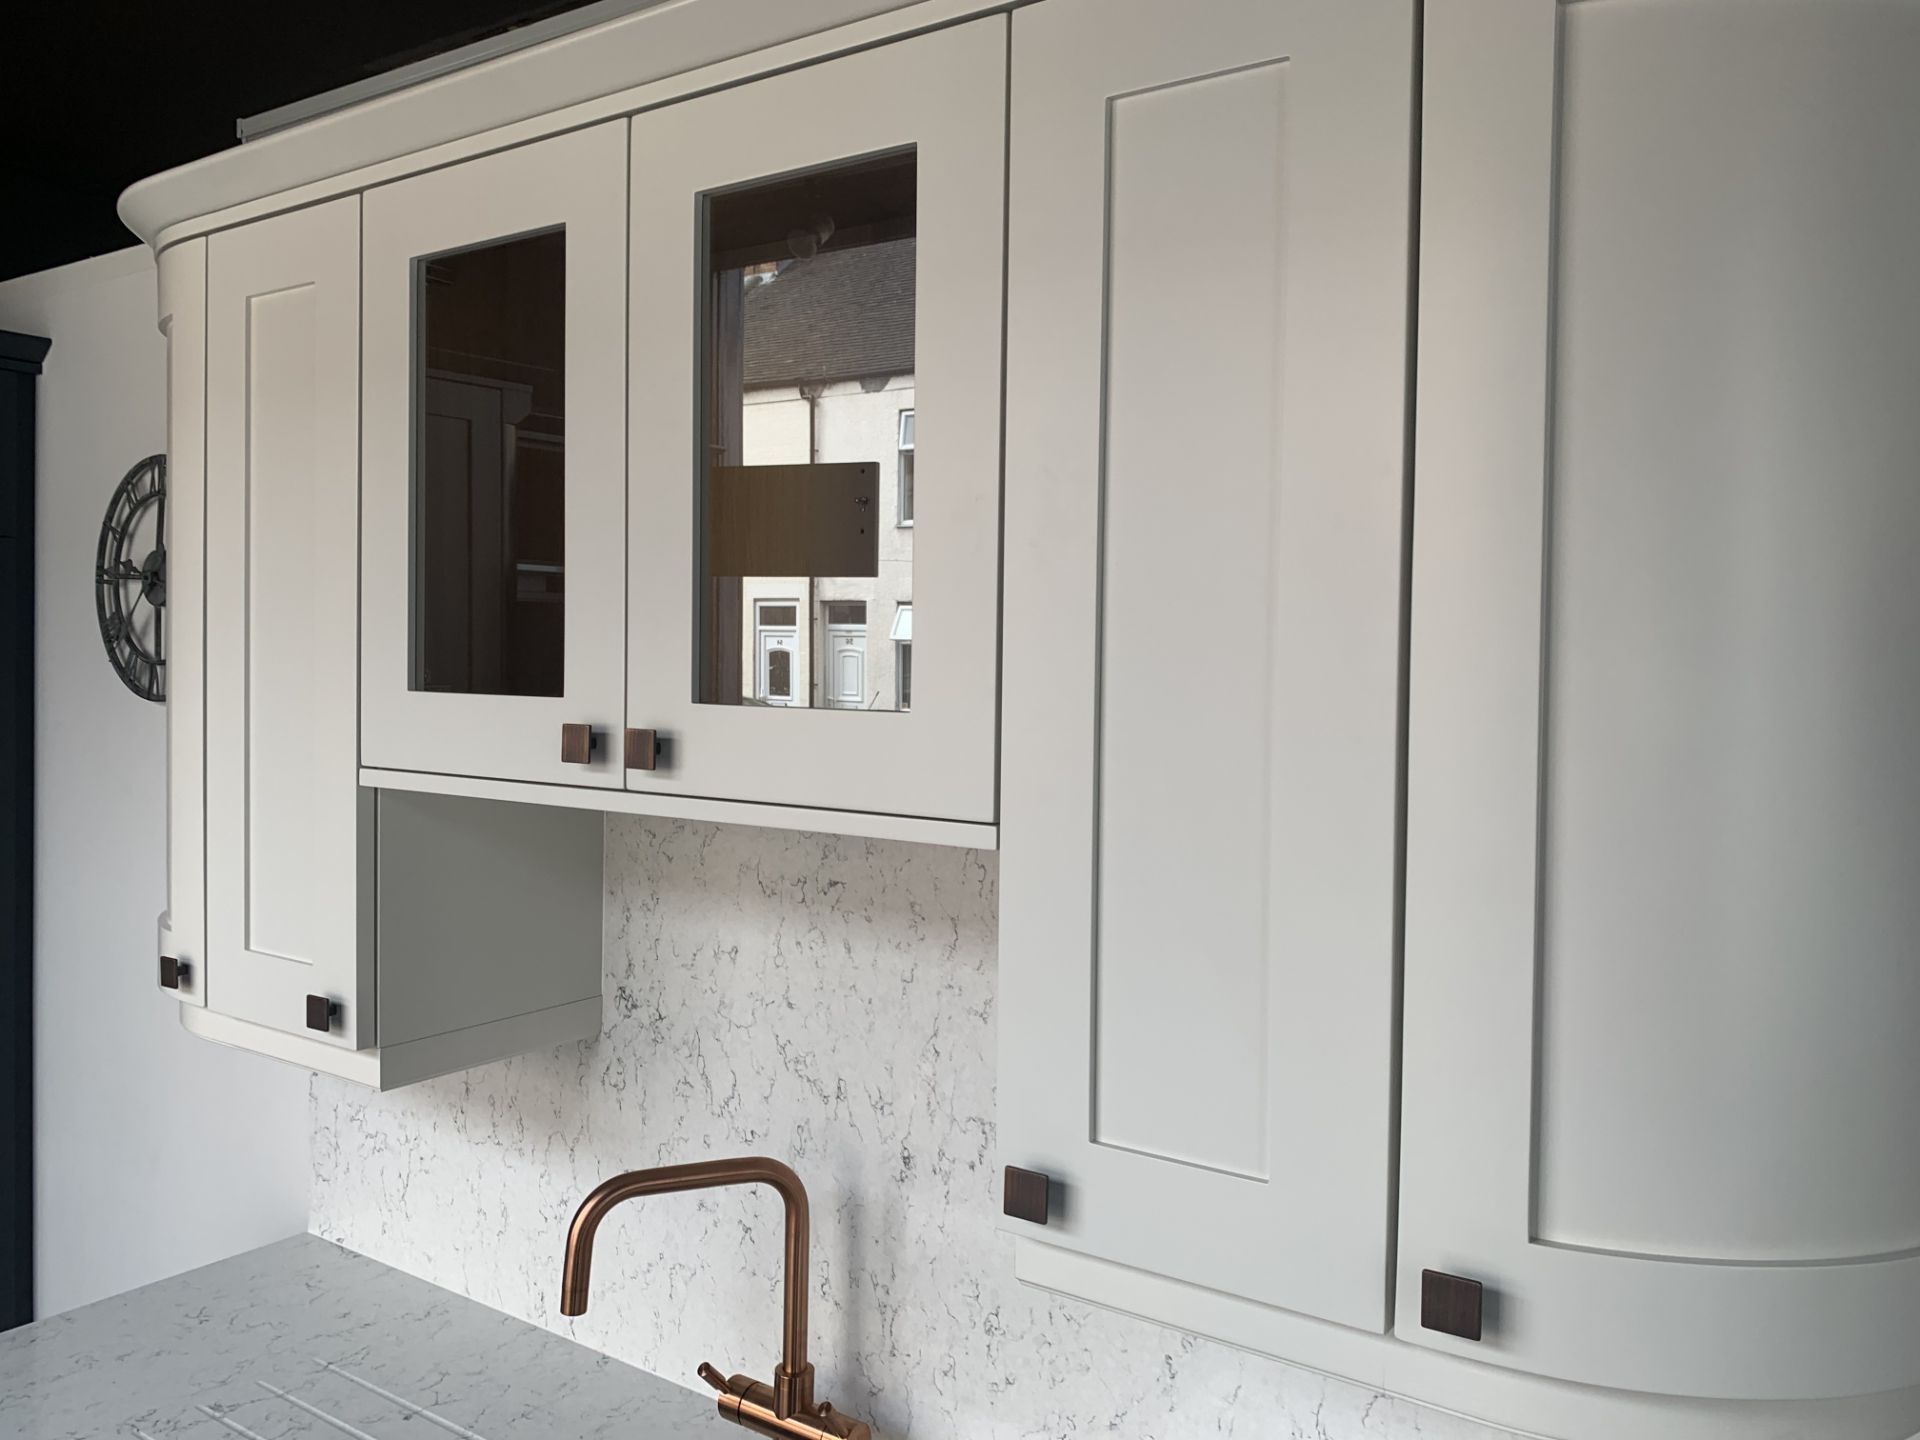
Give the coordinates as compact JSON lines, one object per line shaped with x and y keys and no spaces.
{"x":130,"y":578}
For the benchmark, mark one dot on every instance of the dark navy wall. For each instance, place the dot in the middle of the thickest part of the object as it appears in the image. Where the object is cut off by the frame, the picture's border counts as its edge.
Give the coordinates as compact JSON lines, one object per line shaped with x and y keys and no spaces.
{"x":20,"y":357}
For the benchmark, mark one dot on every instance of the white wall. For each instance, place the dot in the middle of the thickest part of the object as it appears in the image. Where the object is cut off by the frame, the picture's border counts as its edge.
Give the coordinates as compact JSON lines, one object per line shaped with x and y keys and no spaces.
{"x":155,"y":1152}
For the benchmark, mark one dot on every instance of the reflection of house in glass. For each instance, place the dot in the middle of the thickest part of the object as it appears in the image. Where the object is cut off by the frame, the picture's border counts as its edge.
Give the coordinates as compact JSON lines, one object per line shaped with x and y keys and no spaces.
{"x":827,"y":376}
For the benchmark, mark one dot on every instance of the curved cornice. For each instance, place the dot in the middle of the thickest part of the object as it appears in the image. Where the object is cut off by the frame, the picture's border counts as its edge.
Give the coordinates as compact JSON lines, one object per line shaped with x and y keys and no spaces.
{"x":621,"y":54}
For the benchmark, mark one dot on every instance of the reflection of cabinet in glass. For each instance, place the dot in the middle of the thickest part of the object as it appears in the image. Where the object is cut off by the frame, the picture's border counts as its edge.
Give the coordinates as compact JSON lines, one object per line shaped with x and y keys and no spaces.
{"x":489,"y":455}
{"x":837,"y":231}
{"x":493,"y":371}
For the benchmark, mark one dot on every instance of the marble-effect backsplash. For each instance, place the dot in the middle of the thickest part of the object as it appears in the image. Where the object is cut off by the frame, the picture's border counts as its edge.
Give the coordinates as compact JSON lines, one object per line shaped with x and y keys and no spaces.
{"x":829,"y":1001}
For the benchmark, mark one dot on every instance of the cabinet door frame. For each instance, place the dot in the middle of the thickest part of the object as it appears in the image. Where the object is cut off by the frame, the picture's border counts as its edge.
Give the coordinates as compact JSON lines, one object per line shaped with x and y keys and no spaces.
{"x":320,"y":855}
{"x":943,"y":93}
{"x":576,"y":180}
{"x":1307,"y":1229}
{"x":183,"y":318}
{"x":1470,"y":1121}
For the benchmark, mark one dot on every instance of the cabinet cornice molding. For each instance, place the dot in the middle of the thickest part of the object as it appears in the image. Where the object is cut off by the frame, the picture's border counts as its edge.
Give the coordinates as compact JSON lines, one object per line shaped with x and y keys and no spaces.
{"x":629,"y":64}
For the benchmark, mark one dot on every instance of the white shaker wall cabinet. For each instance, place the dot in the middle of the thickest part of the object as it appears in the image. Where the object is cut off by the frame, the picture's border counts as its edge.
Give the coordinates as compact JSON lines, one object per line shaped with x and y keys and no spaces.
{"x":382,"y":936}
{"x":936,"y":106}
{"x":284,"y":834}
{"x":1209,"y":270}
{"x":539,"y":615}
{"x":1660,"y":1070}
{"x":495,"y":450}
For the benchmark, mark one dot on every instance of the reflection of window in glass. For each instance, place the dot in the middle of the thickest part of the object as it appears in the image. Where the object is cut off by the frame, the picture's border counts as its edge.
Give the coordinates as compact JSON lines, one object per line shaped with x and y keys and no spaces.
{"x":902,"y":636}
{"x":488,"y":595}
{"x":906,"y":469}
{"x":780,"y":674}
{"x":807,"y":389}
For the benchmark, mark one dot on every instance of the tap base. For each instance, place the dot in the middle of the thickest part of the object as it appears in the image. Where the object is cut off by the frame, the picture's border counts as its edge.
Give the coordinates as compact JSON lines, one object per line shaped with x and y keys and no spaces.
{"x":750,"y":1404}
{"x":792,"y":1390}
{"x":825,"y":1423}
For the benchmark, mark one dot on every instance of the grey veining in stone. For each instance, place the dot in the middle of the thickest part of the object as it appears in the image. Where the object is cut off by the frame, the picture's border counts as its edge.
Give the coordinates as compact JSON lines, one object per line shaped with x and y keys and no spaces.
{"x":304,"y":1339}
{"x":829,"y":1001}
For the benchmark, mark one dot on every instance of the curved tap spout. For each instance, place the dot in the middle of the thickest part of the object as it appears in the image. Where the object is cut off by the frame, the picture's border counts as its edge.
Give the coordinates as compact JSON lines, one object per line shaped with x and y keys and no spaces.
{"x":793,"y":1379}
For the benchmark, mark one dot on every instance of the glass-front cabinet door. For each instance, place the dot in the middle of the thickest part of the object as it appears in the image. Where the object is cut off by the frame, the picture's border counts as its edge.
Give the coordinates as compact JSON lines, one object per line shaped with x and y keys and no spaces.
{"x":493,"y":395}
{"x":814,"y":445}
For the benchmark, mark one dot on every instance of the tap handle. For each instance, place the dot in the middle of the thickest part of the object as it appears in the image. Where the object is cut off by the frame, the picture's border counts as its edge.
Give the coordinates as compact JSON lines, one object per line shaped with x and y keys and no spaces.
{"x":713,"y":1377}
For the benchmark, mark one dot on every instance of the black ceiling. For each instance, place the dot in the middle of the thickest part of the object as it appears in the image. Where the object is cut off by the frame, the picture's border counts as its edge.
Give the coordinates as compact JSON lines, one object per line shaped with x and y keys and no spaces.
{"x":95,"y":95}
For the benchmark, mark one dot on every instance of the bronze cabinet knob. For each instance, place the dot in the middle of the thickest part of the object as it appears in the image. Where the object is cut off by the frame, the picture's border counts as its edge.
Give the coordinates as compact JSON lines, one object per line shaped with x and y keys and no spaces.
{"x":643,"y":749}
{"x":321,"y":1012}
{"x":1450,"y":1304}
{"x":577,"y":744}
{"x":175,"y":973}
{"x":1025,"y":1197}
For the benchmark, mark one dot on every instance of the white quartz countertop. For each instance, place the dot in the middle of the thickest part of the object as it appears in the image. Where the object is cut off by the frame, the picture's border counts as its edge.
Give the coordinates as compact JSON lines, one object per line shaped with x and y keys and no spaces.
{"x":302,"y":1340}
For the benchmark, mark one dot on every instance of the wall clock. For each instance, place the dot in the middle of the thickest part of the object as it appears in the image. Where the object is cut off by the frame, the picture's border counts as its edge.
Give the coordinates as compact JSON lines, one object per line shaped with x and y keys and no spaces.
{"x":130,"y":578}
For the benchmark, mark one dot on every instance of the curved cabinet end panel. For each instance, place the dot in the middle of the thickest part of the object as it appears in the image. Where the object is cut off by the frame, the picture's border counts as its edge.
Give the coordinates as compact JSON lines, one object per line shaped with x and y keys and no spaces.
{"x":1662,"y":814}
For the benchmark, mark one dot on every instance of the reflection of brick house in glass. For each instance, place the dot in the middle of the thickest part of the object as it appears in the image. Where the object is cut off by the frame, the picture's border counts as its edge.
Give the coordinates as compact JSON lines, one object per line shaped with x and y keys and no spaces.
{"x":828,"y":376}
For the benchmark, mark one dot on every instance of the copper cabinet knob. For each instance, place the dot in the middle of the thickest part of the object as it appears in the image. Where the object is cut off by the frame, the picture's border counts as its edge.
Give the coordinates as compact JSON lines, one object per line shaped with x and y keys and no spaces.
{"x":577,"y":744}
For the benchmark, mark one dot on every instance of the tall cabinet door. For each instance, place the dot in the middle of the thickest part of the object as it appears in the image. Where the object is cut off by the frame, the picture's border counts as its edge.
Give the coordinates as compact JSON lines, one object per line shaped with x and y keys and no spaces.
{"x":287,"y":823}
{"x":1660,"y":1072}
{"x":495,"y":461}
{"x":815,"y":445}
{"x":1206,"y":402}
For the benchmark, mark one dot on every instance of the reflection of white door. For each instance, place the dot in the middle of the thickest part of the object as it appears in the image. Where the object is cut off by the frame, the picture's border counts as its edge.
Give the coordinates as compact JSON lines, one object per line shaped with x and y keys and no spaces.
{"x":774,"y":666}
{"x":847,"y":666}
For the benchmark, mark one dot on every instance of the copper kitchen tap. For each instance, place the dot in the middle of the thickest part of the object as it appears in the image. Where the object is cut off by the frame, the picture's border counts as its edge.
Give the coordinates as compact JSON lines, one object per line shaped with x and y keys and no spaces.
{"x":786,"y":1407}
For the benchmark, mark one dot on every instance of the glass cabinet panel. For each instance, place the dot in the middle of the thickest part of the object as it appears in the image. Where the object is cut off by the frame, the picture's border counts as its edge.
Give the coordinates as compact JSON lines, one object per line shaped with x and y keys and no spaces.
{"x":805,"y":547}
{"x":489,"y":484}
{"x":493,"y":470}
{"x":835,"y":234}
